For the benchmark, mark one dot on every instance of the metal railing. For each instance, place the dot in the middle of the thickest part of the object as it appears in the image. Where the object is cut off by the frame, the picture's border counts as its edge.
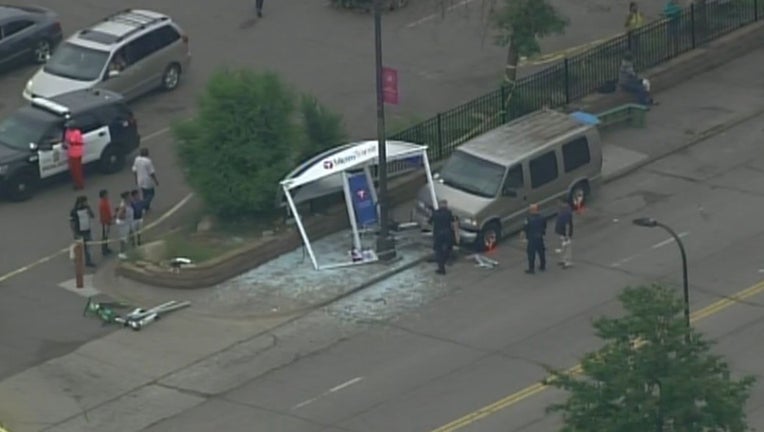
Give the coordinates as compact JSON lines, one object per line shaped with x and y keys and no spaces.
{"x":577,"y":76}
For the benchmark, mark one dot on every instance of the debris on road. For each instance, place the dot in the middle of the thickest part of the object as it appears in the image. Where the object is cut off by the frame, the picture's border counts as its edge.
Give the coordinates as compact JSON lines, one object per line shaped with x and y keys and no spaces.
{"x":137,"y":319}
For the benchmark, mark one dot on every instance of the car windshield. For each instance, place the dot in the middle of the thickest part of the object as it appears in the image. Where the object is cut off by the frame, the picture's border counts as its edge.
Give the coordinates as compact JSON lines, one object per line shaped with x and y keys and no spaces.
{"x":19,"y":130}
{"x":472,"y":174}
{"x":77,"y":62}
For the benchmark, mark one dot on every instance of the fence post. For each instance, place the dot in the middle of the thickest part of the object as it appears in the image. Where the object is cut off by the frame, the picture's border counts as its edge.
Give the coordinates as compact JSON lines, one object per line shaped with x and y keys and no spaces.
{"x":438,"y":122}
{"x":567,"y":80}
{"x":504,"y":107}
{"x":755,"y":10}
{"x":692,"y":24}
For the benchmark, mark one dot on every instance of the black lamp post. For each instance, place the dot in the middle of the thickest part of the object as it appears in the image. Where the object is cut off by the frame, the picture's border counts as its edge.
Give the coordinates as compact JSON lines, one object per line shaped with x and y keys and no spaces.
{"x":652,"y":223}
{"x":385,"y":244}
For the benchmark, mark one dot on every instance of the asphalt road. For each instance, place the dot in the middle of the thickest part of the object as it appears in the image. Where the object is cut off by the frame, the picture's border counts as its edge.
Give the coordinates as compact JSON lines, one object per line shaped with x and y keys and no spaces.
{"x":495,"y":332}
{"x":443,"y":60}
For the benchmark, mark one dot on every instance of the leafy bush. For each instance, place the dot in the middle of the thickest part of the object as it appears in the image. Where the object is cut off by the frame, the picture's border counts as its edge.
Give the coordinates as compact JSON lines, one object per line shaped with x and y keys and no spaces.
{"x":246,"y":137}
{"x":323,"y":128}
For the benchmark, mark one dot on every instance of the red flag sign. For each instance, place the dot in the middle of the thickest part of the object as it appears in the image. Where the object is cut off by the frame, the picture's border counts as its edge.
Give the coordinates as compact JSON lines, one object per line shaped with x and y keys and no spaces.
{"x":390,"y":85}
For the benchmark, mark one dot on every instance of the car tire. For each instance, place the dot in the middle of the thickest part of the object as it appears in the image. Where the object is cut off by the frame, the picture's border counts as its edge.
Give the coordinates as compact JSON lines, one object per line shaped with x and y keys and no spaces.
{"x":171,"y":77}
{"x":579,"y":195}
{"x":21,"y":186}
{"x":112,"y":160}
{"x":41,"y":51}
{"x":489,"y":237}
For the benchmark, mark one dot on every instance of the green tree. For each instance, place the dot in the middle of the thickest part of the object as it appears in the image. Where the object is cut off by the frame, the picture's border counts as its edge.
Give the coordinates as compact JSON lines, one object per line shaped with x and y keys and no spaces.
{"x":323,"y":128}
{"x":648,"y":378}
{"x":246,"y":136}
{"x":520,"y":24}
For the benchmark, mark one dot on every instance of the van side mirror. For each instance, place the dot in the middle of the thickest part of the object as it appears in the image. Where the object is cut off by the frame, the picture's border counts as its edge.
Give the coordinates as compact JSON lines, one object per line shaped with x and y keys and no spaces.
{"x":510,"y":193}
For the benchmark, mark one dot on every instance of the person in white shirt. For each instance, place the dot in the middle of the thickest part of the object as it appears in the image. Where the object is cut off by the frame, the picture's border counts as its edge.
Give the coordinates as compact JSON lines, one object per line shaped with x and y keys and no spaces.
{"x":124,"y":222}
{"x":145,"y":177}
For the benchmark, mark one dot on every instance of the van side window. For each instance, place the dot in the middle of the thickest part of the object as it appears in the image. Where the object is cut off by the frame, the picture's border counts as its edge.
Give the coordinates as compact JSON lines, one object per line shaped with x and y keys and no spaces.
{"x":165,"y":36}
{"x":543,"y":169}
{"x":140,"y":48}
{"x":575,"y":154}
{"x":514,"y":179}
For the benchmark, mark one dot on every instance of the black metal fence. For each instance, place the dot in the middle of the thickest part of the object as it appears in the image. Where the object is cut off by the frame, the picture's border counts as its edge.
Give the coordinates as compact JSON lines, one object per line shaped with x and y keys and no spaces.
{"x":574,"y":77}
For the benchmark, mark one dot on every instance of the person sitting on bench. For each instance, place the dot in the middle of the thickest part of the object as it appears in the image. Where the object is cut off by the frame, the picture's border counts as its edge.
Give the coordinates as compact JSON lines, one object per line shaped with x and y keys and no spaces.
{"x":629,"y":81}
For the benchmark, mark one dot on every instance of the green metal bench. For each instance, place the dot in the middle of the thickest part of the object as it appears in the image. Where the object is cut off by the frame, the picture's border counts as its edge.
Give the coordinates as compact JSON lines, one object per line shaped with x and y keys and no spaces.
{"x":633,"y":114}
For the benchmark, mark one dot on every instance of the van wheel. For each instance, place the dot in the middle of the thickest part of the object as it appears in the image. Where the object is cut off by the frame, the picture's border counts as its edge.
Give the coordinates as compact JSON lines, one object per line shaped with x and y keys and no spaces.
{"x":171,"y":77}
{"x":21,"y":186}
{"x":489,"y":237}
{"x":579,"y":195}
{"x":112,"y":160}
{"x":41,"y":51}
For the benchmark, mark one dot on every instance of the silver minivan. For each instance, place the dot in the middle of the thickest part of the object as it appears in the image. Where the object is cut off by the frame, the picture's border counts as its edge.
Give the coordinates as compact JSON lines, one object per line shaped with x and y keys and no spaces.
{"x":490,"y":181}
{"x":131,"y":52}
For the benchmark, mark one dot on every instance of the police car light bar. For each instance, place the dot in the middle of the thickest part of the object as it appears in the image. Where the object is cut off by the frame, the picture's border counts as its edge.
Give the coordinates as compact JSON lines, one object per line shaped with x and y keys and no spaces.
{"x":51,"y":106}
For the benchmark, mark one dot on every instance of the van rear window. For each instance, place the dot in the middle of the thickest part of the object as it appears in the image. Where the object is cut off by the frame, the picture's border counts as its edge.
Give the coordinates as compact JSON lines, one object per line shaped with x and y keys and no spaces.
{"x":575,"y":154}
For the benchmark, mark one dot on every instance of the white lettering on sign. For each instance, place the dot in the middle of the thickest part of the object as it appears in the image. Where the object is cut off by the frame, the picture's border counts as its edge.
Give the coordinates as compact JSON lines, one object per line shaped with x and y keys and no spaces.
{"x":350,"y":158}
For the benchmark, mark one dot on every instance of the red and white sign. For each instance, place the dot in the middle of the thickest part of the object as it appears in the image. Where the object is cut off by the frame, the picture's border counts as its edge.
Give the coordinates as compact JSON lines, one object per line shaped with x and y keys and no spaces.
{"x":390,"y":85}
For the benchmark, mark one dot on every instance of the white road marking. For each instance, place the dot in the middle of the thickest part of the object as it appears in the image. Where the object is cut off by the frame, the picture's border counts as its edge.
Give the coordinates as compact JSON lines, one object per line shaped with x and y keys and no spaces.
{"x":345,"y":384}
{"x":658,"y":245}
{"x":669,"y":240}
{"x":334,"y":389}
{"x":623,"y":261}
{"x":302,"y":404}
{"x":156,"y":134}
{"x":438,"y":15}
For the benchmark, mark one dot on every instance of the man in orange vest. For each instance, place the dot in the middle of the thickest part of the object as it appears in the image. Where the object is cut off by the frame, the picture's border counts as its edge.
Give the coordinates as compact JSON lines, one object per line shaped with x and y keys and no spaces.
{"x":75,"y":148}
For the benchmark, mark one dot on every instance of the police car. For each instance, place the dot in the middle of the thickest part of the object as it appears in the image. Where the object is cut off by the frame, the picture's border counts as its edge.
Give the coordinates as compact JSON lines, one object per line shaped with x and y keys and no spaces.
{"x":31,"y":139}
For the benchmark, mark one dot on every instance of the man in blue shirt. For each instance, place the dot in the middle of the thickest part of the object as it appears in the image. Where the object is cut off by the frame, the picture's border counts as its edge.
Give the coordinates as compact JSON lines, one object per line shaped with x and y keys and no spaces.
{"x":139,"y":209}
{"x":535,"y":229}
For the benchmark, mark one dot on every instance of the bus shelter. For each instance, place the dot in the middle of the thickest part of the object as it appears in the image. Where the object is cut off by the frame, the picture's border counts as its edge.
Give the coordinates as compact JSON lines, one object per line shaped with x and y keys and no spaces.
{"x":349,"y":166}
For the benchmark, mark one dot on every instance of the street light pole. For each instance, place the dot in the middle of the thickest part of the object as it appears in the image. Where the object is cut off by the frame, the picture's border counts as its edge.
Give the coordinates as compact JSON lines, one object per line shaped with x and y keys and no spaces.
{"x":385,"y":244}
{"x":651,"y":223}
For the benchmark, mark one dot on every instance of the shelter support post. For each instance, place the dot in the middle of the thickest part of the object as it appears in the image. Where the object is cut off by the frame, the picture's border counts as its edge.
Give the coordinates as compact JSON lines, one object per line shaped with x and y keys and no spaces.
{"x":430,"y":183}
{"x":300,"y":227}
{"x":351,"y":211}
{"x":372,"y":189}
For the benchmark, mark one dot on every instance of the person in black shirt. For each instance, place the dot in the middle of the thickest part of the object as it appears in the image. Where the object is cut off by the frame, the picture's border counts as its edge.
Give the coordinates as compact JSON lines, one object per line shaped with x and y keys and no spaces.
{"x":535,"y":229}
{"x":442,"y":221}
{"x":81,"y":219}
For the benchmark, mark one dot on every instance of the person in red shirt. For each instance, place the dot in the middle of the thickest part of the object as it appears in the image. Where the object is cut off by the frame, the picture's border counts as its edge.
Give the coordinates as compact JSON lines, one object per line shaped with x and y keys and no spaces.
{"x":75,"y":148}
{"x":106,"y":217}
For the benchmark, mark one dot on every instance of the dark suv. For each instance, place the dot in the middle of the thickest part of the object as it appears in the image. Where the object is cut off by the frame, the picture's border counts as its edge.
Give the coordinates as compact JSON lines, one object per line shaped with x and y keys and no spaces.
{"x":31,"y":139}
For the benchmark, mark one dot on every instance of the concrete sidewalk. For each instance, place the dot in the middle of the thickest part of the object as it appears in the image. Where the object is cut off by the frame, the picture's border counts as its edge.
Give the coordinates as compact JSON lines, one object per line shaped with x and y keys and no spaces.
{"x":127,"y":381}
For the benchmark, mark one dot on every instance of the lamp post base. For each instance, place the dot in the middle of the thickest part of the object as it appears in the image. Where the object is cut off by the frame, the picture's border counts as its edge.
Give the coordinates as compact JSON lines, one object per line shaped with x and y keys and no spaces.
{"x":385,"y":248}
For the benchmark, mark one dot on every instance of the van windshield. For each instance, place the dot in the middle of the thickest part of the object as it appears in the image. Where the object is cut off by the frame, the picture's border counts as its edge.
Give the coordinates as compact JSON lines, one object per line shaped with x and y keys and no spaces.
{"x":472,"y":174}
{"x":77,"y":62}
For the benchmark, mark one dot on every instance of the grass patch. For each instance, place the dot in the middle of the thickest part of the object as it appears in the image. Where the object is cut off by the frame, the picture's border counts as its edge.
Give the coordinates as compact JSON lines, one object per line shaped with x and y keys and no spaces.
{"x":205,"y":244}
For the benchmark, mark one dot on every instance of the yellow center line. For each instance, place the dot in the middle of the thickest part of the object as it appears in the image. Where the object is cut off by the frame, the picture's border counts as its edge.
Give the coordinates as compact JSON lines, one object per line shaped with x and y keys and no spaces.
{"x":514,"y":398}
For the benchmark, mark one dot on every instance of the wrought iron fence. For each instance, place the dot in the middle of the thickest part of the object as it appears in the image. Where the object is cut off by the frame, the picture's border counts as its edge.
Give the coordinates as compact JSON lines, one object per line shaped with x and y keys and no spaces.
{"x":577,"y":76}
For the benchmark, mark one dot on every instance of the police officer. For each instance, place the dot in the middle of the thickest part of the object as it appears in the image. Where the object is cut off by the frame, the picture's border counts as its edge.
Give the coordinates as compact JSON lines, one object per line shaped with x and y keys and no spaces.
{"x":442,"y":221}
{"x":535,"y":229}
